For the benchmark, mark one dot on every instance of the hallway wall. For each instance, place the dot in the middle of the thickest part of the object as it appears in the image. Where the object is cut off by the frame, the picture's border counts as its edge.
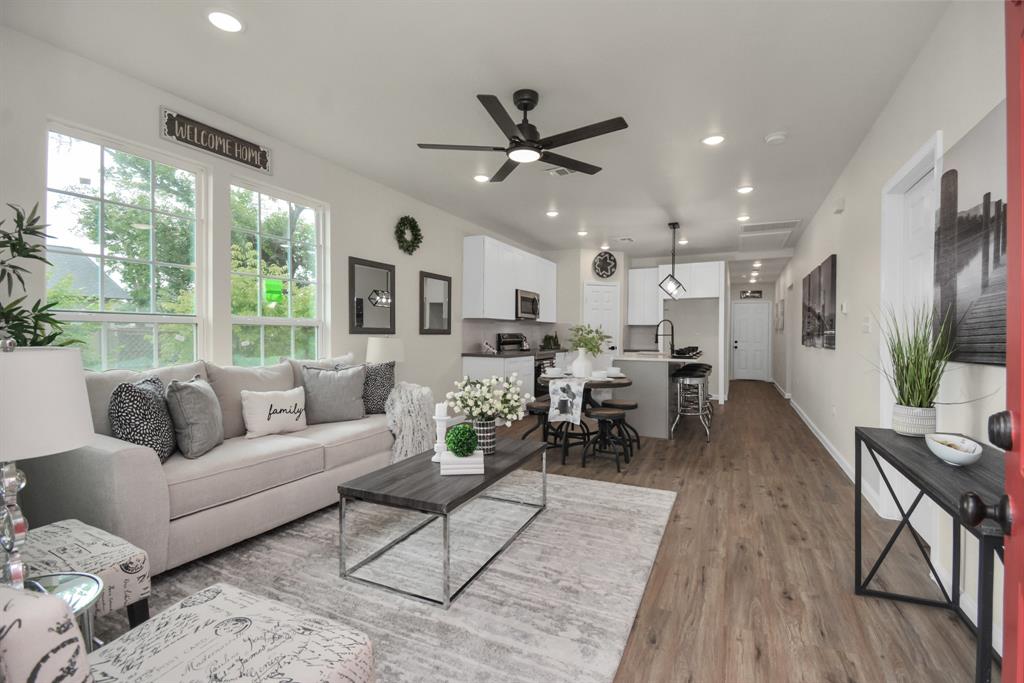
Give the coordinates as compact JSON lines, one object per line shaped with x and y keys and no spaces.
{"x":957,"y":78}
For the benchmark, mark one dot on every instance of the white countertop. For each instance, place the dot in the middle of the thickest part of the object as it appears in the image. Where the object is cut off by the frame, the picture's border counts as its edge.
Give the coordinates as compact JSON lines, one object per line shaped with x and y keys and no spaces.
{"x":650,"y":356}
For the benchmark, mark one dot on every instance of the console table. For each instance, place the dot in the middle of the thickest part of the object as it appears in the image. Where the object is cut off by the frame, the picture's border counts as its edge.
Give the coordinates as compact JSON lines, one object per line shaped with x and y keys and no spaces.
{"x":943,"y":484}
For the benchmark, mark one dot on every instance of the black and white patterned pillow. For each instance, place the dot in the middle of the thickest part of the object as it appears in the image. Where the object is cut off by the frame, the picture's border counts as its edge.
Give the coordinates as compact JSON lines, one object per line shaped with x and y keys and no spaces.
{"x":380,"y":380}
{"x":138,"y":414}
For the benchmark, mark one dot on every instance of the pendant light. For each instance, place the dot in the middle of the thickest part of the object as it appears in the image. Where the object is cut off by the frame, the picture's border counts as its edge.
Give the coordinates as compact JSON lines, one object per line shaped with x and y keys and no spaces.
{"x":670,"y":285}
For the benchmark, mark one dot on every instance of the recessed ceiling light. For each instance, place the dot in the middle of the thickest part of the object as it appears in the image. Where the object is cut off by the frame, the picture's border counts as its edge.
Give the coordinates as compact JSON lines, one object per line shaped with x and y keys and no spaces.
{"x":225,"y":22}
{"x":552,"y":213}
{"x":684,"y":241}
{"x":757,"y":264}
{"x":745,"y":189}
{"x":581,"y":233}
{"x":604,"y":246}
{"x":755,"y":273}
{"x":713,"y":140}
{"x":776,"y":138}
{"x":753,"y":281}
{"x":481,"y":178}
{"x":743,"y":219}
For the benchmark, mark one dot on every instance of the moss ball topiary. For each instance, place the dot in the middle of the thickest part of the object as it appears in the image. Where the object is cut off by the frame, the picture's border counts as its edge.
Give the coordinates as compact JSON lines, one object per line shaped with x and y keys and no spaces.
{"x":461,"y":440}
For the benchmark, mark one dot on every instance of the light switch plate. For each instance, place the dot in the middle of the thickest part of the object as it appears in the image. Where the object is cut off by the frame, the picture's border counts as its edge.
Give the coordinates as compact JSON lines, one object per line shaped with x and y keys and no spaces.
{"x":865,"y":326}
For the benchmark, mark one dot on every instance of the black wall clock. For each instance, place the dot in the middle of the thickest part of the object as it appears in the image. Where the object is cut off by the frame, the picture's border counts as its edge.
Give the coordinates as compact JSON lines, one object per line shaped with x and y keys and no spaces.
{"x":605,"y":264}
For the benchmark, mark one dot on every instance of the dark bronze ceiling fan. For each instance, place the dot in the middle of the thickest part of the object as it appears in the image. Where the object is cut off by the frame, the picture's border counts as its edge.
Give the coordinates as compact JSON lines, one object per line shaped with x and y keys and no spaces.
{"x":525,"y":145}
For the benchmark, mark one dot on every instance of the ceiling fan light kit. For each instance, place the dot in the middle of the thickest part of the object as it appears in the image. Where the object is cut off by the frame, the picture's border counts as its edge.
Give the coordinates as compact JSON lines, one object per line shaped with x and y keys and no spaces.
{"x":525,"y":145}
{"x":670,"y":285}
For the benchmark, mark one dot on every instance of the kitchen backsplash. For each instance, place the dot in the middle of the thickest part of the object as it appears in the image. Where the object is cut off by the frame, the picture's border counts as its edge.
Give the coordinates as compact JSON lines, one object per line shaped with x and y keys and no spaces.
{"x":475,"y":331}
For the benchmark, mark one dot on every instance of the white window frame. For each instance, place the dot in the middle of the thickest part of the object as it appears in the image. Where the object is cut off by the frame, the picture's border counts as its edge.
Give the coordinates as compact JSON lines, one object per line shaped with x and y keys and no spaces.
{"x":320,"y":212}
{"x":202,"y":277}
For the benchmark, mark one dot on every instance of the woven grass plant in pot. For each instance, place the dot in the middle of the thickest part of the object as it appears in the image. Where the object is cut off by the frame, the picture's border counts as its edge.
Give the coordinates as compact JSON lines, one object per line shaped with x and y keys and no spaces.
{"x":919,"y":347}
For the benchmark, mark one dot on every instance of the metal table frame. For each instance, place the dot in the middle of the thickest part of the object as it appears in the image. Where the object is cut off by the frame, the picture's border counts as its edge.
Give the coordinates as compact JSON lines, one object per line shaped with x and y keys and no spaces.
{"x":447,"y":595}
{"x":987,"y":546}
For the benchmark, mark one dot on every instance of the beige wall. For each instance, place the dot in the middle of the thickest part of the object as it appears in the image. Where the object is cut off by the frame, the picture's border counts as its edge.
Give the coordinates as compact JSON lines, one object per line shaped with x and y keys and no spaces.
{"x":956,"y":80}
{"x":40,"y":83}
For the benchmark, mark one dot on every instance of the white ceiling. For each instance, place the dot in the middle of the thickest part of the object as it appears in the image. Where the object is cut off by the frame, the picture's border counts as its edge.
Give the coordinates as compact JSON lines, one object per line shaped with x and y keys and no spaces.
{"x":362,"y":82}
{"x":769,"y":270}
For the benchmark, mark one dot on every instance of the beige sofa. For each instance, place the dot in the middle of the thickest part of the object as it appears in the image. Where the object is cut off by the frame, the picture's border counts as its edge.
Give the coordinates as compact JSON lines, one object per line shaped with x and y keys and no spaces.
{"x":183,"y":509}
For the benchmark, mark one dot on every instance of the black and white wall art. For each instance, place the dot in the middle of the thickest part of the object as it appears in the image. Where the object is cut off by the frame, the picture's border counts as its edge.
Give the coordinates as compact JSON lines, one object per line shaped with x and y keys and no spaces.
{"x":970,"y":242}
{"x":819,"y":306}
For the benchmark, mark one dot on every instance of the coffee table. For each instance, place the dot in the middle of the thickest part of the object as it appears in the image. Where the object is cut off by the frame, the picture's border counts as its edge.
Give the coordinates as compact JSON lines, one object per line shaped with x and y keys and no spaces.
{"x":416,"y":484}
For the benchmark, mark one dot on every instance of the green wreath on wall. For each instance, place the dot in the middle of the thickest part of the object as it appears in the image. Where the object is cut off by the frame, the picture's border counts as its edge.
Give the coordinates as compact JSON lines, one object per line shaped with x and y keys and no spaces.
{"x":408,"y":234}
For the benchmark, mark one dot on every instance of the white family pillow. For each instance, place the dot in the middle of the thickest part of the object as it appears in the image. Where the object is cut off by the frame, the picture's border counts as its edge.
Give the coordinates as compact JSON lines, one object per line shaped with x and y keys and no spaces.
{"x":273,"y":412}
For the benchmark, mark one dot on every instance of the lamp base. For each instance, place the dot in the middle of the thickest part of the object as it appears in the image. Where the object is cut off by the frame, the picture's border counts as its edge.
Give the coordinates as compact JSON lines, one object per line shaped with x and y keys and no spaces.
{"x":13,"y":526}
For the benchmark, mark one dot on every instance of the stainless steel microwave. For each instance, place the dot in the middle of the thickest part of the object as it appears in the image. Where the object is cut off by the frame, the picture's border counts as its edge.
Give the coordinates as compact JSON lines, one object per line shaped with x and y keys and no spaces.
{"x":527,"y":305}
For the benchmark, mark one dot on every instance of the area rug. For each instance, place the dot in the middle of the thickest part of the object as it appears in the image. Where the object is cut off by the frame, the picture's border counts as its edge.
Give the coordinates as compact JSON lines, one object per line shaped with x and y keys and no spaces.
{"x":558,"y":605}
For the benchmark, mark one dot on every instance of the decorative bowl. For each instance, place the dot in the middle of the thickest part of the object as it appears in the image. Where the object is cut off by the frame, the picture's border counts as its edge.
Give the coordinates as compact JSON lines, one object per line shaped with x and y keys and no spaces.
{"x":953,"y":449}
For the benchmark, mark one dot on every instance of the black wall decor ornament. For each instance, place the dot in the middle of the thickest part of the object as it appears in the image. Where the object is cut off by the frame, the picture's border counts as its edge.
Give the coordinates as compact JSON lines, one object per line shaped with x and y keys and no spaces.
{"x":605,"y":264}
{"x":188,"y":131}
{"x":408,"y":234}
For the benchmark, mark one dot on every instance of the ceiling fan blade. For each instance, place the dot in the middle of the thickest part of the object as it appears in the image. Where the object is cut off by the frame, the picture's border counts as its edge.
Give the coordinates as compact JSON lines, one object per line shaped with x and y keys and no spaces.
{"x":503,"y":172}
{"x":500,"y":116}
{"x":577,"y":134}
{"x":467,"y":148}
{"x":571,"y":164}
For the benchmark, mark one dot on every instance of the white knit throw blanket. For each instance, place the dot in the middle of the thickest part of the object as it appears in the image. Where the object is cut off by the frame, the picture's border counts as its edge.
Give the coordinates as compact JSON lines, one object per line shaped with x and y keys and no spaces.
{"x":410,"y":411}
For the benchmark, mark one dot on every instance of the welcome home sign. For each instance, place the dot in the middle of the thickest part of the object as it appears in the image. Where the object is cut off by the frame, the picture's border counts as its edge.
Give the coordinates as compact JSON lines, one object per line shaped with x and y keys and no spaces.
{"x":188,"y":131}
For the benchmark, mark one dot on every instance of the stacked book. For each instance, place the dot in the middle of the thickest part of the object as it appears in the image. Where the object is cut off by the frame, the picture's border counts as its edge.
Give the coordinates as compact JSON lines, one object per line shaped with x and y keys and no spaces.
{"x":471,"y":464}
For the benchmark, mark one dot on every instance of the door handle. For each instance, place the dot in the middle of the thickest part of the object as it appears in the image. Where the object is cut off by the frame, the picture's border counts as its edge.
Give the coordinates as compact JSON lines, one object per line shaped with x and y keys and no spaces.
{"x":1000,"y":429}
{"x":973,"y":511}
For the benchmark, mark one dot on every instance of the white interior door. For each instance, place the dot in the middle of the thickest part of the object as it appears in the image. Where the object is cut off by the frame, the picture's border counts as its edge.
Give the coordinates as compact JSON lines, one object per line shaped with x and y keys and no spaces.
{"x":751,"y":339}
{"x":601,"y":308}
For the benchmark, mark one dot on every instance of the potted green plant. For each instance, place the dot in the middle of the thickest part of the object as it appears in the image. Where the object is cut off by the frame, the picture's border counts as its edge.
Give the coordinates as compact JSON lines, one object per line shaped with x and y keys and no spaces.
{"x":21,"y":323}
{"x":484,"y":401}
{"x":587,"y":341}
{"x":461,"y":440}
{"x":919,"y":347}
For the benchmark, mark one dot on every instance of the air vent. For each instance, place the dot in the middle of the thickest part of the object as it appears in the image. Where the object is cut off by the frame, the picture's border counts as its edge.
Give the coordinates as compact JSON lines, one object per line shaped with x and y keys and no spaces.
{"x":558,"y":170}
{"x":776,"y":226}
{"x":624,"y":240}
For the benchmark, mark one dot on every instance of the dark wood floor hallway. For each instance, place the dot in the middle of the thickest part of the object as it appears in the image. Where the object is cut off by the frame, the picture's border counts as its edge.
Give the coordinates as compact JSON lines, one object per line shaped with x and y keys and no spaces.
{"x":754,"y":578}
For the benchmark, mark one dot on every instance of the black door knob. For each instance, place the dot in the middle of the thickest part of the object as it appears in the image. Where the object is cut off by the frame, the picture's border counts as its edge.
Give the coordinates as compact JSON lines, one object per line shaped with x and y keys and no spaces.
{"x":973,"y":511}
{"x":1000,"y":429}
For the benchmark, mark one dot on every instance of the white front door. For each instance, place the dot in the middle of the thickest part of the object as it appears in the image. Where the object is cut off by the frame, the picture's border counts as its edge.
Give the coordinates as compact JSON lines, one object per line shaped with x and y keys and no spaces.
{"x":751,"y":339}
{"x":601,"y":308}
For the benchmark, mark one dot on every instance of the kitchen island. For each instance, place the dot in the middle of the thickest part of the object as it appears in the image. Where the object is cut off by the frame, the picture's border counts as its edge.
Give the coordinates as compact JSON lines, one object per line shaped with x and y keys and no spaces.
{"x":652,"y":389}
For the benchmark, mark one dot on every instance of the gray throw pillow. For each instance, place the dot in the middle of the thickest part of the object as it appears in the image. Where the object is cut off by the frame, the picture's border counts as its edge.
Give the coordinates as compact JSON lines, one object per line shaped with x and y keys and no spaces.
{"x":334,"y":395}
{"x":196,"y":414}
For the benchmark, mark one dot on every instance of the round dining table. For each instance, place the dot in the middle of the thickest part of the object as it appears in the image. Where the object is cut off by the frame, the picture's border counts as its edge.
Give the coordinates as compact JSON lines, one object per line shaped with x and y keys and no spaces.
{"x":566,"y":432}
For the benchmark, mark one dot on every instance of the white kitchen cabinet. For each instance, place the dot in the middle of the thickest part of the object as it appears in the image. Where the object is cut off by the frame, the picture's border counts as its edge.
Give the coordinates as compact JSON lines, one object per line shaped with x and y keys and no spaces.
{"x":705,"y":280}
{"x":492,"y":271}
{"x":481,"y":367}
{"x":643,"y":306}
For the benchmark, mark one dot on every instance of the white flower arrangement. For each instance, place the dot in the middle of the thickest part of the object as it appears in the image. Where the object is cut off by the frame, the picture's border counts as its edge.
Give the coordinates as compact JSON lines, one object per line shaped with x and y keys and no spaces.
{"x":490,"y":399}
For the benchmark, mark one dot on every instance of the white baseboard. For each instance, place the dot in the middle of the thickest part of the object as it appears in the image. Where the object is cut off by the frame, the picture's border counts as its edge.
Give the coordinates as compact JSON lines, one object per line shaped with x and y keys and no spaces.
{"x":868,"y":491}
{"x":785,"y":394}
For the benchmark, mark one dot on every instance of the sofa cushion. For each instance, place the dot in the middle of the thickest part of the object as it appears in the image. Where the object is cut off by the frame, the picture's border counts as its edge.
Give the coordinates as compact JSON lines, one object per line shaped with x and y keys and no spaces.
{"x":333,"y":395}
{"x":101,"y":385}
{"x":346,"y":442}
{"x":273,"y":412}
{"x":380,"y":380}
{"x":196,"y":415}
{"x":229,"y":381}
{"x":138,"y":414}
{"x":323,"y":364}
{"x":238,"y":468}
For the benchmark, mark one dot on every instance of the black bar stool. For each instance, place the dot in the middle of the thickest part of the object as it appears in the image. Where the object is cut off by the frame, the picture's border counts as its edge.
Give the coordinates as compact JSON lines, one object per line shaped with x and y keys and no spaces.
{"x":626,"y":405}
{"x":692,"y":395}
{"x":612,"y":438}
{"x":541,"y":409}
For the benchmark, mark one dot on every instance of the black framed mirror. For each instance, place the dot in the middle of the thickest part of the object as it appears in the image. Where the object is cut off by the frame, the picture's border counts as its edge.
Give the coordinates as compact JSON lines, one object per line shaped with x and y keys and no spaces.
{"x":371,"y":297}
{"x":435,"y":303}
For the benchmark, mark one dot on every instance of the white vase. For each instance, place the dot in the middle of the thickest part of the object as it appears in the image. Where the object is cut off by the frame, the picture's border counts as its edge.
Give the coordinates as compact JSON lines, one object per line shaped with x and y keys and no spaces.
{"x":910,"y":421}
{"x":582,"y":366}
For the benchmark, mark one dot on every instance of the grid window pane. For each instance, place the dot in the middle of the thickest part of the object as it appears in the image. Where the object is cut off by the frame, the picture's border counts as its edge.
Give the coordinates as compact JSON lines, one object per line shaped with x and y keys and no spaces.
{"x":277,"y":342}
{"x":304,"y":260}
{"x":73,"y":165}
{"x":274,"y":297}
{"x":89,"y":337}
{"x":126,"y":178}
{"x":126,"y":286}
{"x":73,"y":281}
{"x":245,"y":209}
{"x":175,"y":239}
{"x":176,"y":343}
{"x":273,"y":216}
{"x":126,"y":232}
{"x":305,"y":342}
{"x":273,"y":256}
{"x":303,"y":300}
{"x":73,"y":223}
{"x":130,"y":346}
{"x":175,"y":290}
{"x":245,"y":345}
{"x":174,"y":190}
{"x":244,"y":252}
{"x":244,"y":295}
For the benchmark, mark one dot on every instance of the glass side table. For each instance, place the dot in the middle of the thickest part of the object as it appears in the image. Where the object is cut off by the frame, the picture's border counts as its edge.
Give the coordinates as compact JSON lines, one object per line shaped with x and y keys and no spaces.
{"x":79,"y":590}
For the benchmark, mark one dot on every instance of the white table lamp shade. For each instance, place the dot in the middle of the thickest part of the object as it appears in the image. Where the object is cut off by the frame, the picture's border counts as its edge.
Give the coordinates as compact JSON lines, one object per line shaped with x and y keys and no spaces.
{"x":384,"y":349}
{"x":44,"y":407}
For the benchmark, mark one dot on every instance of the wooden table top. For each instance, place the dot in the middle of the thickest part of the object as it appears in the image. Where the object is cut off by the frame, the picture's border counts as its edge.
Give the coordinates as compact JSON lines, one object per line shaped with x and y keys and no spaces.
{"x":940,"y":481}
{"x":591,"y":383}
{"x":416,"y":483}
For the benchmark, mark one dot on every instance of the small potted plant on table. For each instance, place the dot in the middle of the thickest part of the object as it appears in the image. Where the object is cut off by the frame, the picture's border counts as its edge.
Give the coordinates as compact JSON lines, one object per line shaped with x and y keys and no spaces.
{"x":587,"y":341}
{"x":919,"y":350}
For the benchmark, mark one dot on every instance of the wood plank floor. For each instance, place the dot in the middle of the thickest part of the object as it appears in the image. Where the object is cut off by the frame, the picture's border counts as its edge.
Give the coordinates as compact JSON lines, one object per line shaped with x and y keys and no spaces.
{"x":754,"y":577}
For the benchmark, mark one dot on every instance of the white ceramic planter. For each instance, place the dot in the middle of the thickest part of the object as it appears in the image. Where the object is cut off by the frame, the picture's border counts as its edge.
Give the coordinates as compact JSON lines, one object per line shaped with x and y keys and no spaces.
{"x":913,"y":421}
{"x":582,"y":366}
